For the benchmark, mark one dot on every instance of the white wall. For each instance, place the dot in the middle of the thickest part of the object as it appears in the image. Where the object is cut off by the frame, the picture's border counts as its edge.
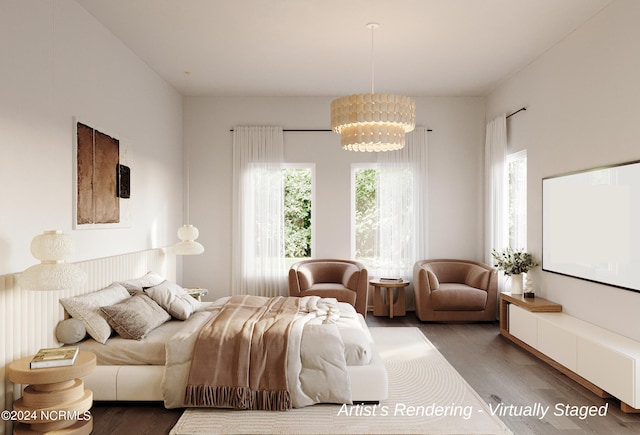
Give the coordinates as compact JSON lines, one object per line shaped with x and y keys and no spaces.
{"x":59,"y":62}
{"x":582,"y":111}
{"x":456,"y":180}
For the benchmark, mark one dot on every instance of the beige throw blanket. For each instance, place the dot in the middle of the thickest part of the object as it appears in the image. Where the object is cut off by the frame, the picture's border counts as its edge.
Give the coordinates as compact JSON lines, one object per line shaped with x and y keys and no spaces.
{"x":240,"y":359}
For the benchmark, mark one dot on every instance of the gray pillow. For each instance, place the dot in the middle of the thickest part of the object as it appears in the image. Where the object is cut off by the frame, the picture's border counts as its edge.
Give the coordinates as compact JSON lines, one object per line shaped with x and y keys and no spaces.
{"x":133,"y":318}
{"x":174,"y":299}
{"x":87,"y":309}
{"x":70,"y":331}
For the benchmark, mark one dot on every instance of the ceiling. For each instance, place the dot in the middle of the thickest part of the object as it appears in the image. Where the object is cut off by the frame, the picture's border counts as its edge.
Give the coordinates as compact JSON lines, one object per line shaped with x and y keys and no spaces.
{"x":323,"y":48}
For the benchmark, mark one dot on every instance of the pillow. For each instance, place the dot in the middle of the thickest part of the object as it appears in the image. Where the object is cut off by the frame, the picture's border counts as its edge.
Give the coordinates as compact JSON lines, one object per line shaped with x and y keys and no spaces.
{"x":139,"y":284}
{"x":87,"y":309}
{"x":70,"y":331}
{"x":174,"y":299}
{"x":133,"y":318}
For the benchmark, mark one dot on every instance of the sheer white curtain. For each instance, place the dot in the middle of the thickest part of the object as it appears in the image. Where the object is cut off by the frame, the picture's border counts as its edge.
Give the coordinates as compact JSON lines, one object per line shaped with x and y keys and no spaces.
{"x":258,"y":266}
{"x":517,"y":173}
{"x":402,"y":205}
{"x":497,"y":223}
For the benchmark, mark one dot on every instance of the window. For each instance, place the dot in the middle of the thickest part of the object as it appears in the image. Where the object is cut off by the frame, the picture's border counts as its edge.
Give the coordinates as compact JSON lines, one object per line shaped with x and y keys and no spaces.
{"x":365,"y":182}
{"x":517,"y":175}
{"x":275,"y":225}
{"x":298,"y":212}
{"x":384,"y":235}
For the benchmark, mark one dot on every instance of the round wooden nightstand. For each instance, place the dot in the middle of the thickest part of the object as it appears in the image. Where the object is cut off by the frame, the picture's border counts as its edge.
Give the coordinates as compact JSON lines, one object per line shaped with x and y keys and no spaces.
{"x":55,"y":399}
{"x":393,"y":305}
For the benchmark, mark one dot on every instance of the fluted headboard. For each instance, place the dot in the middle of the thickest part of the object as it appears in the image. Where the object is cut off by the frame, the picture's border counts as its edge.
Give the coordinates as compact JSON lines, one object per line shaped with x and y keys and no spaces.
{"x":28,"y":318}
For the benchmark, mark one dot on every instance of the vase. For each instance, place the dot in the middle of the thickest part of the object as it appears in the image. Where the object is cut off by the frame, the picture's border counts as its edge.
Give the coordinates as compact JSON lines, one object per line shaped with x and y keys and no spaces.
{"x":516,"y":284}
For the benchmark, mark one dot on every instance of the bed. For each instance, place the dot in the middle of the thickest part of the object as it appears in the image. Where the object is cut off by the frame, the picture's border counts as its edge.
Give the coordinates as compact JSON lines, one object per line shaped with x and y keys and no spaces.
{"x":156,"y":366}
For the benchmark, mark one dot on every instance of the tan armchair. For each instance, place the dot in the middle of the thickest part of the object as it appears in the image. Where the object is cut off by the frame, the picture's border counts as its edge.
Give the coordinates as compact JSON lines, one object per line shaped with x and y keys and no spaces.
{"x":455,"y":290}
{"x":345,"y":280}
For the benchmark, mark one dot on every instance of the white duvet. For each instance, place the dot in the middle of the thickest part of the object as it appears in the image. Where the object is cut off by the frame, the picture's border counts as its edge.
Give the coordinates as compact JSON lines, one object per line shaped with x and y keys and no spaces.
{"x":316,"y":359}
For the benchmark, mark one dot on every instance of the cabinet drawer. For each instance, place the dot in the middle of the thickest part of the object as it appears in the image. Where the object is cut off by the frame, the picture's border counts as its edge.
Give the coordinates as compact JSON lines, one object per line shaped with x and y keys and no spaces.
{"x":523,"y":325}
{"x":557,"y":343}
{"x":612,"y":371}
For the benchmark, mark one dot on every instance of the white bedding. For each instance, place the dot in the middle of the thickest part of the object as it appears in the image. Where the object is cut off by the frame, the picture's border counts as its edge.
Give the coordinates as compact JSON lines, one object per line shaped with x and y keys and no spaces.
{"x":151,"y":350}
{"x":316,"y":359}
{"x":174,"y":340}
{"x":121,"y":351}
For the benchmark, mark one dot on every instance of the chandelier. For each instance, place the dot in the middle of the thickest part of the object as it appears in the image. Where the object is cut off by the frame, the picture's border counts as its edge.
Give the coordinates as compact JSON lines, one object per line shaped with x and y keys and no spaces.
{"x":373,"y":122}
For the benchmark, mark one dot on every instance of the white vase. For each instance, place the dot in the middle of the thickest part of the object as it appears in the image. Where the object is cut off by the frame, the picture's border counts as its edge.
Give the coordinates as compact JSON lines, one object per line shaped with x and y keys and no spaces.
{"x":516,"y":284}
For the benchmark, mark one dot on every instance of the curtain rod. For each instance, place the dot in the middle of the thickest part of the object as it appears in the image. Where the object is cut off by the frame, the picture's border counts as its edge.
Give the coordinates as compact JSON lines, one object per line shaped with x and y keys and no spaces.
{"x":517,"y":111}
{"x":296,"y":129}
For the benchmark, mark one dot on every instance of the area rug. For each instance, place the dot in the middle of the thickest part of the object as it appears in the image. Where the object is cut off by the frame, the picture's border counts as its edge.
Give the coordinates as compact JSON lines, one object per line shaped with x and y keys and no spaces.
{"x":426,"y":396}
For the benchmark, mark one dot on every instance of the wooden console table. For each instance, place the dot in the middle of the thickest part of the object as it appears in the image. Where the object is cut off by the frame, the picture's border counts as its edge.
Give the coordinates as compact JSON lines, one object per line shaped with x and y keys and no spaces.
{"x":600,"y":360}
{"x":535,"y":305}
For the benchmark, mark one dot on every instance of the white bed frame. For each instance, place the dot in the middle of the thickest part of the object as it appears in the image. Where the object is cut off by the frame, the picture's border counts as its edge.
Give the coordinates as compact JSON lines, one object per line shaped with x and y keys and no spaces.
{"x":143,"y":383}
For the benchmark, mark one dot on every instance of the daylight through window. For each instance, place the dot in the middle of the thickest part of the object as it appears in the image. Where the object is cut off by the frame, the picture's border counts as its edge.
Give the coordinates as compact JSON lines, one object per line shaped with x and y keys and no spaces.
{"x":298,"y":212}
{"x":517,"y":167}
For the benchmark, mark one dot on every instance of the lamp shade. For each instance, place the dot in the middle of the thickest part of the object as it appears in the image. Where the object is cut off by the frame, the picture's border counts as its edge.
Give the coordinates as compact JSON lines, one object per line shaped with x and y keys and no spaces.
{"x":53,"y":249}
{"x":188,"y":246}
{"x":373,"y":122}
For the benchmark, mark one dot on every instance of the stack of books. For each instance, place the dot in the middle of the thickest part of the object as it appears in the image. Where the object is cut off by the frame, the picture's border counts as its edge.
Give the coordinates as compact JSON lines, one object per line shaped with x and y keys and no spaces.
{"x":54,"y":357}
{"x":390,"y":279}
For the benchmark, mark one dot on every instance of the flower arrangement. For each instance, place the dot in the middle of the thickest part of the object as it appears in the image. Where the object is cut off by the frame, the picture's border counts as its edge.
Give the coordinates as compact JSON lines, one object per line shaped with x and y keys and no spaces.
{"x":513,"y":262}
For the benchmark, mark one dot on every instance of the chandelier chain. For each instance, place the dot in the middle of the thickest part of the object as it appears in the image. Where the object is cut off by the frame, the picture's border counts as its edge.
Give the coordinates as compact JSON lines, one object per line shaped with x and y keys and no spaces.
{"x":372,"y":122}
{"x":373,"y":29}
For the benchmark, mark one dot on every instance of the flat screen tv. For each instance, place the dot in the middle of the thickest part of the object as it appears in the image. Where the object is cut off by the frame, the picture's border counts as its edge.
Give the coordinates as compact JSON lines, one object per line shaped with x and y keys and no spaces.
{"x":591,"y":225}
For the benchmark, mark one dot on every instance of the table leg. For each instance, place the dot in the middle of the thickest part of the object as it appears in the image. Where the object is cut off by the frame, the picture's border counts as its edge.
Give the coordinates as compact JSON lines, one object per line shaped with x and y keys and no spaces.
{"x":379,"y":306}
{"x":390,"y":301}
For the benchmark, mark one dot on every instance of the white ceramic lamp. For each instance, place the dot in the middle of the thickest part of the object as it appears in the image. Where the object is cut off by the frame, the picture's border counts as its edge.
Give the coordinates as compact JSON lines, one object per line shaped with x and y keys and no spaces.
{"x":188,"y":246}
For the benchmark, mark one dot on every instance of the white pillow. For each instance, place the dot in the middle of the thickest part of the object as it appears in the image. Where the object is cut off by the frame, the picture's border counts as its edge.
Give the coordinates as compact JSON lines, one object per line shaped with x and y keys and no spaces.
{"x":70,"y":331}
{"x":138,"y":284}
{"x":87,"y":309}
{"x":174,"y":299}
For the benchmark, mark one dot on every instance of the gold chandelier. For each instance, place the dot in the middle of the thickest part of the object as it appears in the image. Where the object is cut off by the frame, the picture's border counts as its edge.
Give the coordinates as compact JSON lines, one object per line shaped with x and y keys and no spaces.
{"x":373,"y":122}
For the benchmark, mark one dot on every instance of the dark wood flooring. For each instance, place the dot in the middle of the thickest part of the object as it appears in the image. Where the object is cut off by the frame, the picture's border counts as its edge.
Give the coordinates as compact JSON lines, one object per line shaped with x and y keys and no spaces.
{"x":498,"y":370}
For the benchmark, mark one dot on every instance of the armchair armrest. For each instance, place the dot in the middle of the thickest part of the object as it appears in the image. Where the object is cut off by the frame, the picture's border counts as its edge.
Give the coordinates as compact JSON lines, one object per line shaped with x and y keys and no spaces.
{"x":294,"y":283}
{"x":424,"y":278}
{"x":362,"y":291}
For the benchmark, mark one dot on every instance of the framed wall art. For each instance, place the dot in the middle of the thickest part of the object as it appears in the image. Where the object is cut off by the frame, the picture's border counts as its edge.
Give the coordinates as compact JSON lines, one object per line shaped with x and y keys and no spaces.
{"x":102,"y":179}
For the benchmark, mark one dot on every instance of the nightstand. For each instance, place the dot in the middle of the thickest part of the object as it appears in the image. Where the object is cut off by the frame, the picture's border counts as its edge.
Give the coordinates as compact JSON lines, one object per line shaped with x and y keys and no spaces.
{"x":55,"y":399}
{"x":197,"y":292}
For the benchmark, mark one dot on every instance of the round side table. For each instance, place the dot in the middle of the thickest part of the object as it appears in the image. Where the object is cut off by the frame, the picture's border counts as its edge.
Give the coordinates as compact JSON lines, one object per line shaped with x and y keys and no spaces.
{"x":393,"y":304}
{"x":55,"y":399}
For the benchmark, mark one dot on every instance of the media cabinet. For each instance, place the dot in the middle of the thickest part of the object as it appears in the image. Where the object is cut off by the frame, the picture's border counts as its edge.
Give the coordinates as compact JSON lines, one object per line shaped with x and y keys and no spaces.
{"x":606,"y":363}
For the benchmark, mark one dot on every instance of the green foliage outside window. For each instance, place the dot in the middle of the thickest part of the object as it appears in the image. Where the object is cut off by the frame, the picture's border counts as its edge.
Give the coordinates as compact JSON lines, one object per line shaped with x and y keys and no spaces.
{"x":297,"y":212}
{"x":366,"y":209}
